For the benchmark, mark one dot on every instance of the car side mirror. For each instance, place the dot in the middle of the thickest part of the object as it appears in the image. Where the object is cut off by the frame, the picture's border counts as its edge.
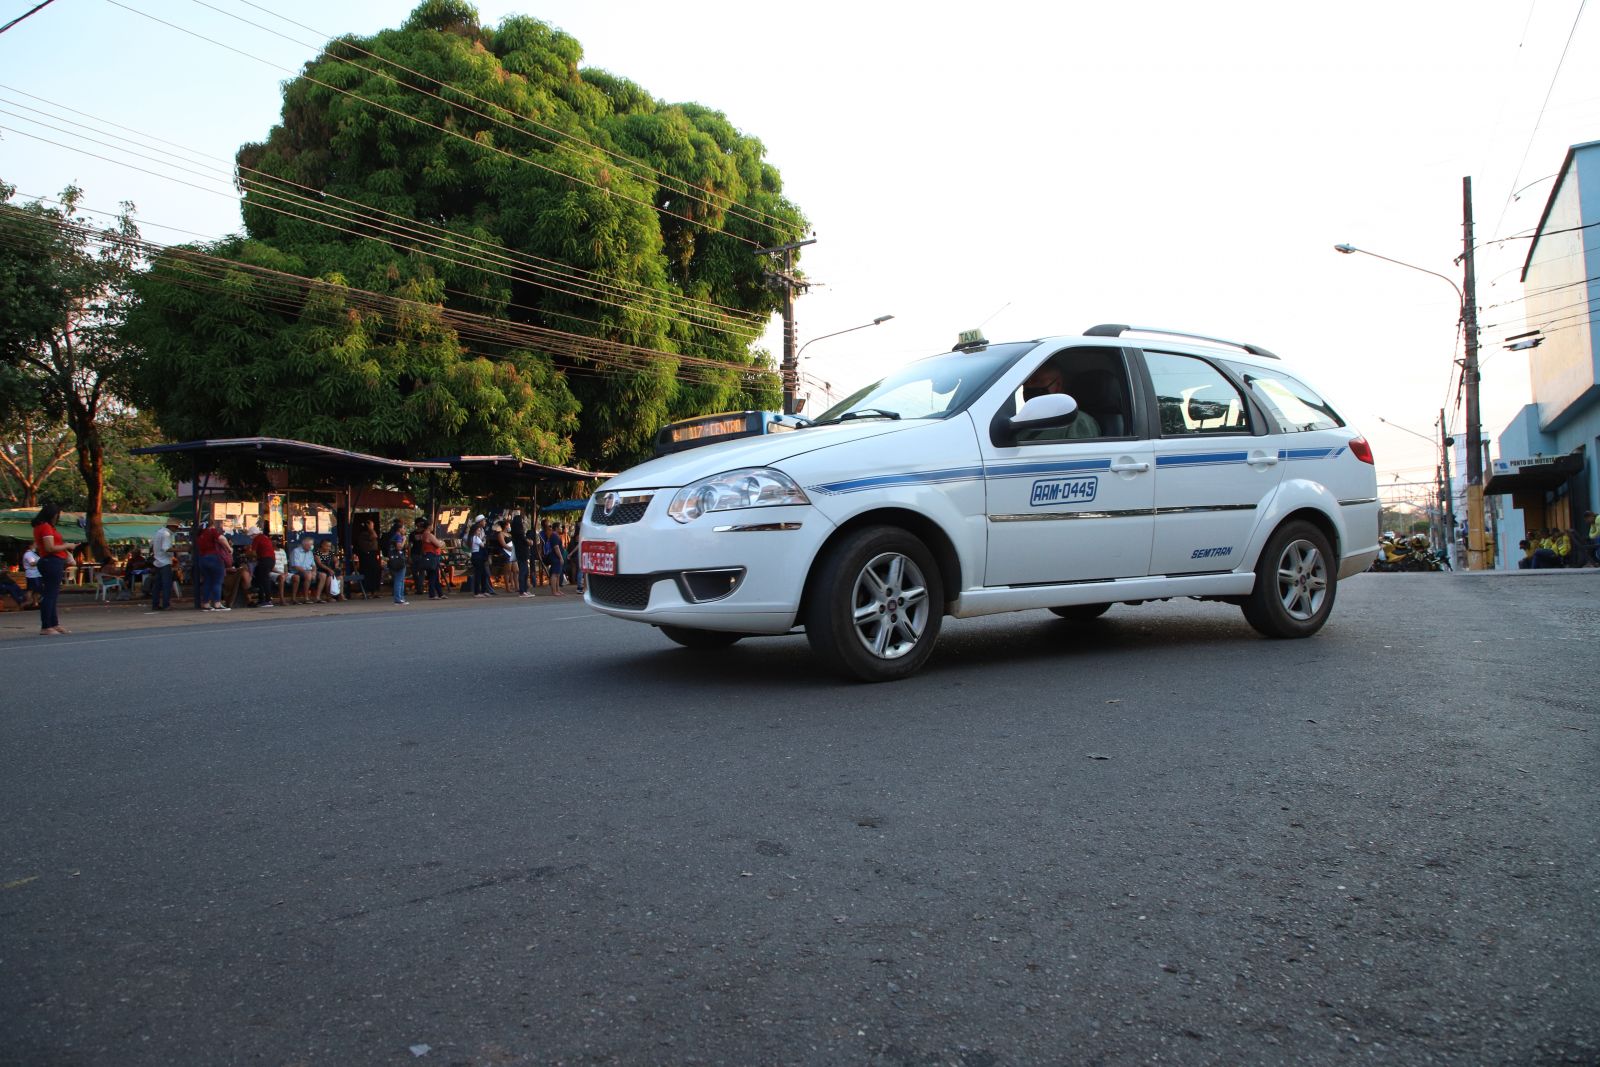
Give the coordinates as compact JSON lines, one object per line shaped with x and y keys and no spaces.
{"x":1206,"y":410}
{"x":1045,"y":412}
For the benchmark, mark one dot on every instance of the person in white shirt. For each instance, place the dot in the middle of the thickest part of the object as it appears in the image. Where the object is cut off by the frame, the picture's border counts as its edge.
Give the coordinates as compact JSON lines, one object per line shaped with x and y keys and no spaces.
{"x":304,"y":577}
{"x":161,"y":560}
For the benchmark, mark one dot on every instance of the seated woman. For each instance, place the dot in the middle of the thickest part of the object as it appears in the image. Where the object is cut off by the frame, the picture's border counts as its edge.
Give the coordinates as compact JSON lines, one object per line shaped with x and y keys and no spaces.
{"x":328,"y":568}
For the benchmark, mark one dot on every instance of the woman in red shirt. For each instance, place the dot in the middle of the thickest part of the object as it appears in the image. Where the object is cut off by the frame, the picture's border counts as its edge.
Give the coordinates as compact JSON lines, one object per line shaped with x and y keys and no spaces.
{"x":52,"y":567}
{"x":215,"y":556}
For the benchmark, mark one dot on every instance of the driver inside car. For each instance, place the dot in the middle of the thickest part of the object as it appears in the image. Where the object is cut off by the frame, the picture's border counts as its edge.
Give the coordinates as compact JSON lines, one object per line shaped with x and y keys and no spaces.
{"x":1044,"y":381}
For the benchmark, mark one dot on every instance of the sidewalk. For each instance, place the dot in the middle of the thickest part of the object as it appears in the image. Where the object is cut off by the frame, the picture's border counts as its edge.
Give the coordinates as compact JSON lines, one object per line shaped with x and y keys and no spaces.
{"x":82,"y":614}
{"x":1552,"y":572}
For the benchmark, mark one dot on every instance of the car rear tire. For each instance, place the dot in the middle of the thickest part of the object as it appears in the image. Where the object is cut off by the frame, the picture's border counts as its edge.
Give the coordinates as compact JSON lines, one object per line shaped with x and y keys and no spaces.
{"x":875,"y":605}
{"x":701,"y":640}
{"x":1296,"y":579}
{"x":1081,"y":612}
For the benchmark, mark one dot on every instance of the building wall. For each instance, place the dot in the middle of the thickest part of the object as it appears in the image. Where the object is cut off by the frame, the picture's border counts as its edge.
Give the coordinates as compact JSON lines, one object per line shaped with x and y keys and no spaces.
{"x":1561,"y":288}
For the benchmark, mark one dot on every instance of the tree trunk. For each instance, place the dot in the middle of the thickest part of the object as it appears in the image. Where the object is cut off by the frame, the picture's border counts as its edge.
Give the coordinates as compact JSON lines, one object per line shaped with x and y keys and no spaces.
{"x":92,"y":465}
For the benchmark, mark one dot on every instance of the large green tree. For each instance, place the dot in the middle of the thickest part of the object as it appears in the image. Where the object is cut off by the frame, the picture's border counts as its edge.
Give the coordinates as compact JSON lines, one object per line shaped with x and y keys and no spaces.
{"x":64,"y":296}
{"x":482,"y":170}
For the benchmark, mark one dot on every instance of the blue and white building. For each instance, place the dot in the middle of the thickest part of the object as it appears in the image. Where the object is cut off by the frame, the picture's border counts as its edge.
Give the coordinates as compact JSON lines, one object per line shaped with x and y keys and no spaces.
{"x":1547,"y":454}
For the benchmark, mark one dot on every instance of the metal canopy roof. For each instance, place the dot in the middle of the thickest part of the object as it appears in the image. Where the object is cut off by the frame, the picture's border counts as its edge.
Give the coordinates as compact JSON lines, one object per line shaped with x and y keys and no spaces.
{"x":1536,"y":477}
{"x":518,"y":467}
{"x":294,"y":453}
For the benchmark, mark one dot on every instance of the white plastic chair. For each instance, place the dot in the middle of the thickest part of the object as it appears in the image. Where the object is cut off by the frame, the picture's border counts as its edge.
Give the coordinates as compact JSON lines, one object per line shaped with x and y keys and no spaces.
{"x":108,"y":582}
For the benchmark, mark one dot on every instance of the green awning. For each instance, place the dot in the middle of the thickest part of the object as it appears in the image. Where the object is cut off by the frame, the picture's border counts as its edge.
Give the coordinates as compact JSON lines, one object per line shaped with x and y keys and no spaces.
{"x":18,"y":523}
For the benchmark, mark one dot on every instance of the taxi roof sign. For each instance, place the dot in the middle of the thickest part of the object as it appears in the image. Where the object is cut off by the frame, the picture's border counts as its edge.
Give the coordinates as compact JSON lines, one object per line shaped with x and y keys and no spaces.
{"x":970,"y":339}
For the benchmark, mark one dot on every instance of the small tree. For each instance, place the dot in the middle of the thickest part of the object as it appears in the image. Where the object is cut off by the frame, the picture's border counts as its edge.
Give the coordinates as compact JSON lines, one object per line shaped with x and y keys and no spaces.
{"x":33,"y":448}
{"x":64,"y":292}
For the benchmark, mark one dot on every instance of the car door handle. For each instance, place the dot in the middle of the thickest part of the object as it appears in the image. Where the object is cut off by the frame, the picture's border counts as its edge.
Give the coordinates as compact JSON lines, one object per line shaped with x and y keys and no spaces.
{"x":1130,"y":468}
{"x":1266,"y":459}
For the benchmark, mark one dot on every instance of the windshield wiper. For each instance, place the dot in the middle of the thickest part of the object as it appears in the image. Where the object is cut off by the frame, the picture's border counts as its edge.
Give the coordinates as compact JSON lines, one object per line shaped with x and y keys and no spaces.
{"x":860,"y":413}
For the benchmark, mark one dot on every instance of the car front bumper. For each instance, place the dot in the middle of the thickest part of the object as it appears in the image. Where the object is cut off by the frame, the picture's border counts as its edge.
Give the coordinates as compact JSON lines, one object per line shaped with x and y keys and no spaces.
{"x":738,"y":571}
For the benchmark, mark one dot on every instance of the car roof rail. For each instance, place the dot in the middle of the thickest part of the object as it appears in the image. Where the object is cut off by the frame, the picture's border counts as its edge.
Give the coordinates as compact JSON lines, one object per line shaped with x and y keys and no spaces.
{"x":1109,"y":329}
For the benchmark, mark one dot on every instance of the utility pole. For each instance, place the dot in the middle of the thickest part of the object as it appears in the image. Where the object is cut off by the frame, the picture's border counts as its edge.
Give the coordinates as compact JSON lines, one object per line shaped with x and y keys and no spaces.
{"x":789,"y":369}
{"x":1469,"y":378}
{"x":1449,"y":499}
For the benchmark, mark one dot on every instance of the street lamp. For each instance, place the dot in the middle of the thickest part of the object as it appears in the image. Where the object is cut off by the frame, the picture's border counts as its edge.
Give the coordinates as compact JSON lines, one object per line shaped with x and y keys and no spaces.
{"x":879,"y":321}
{"x":1348,"y":249}
{"x":1469,"y":376}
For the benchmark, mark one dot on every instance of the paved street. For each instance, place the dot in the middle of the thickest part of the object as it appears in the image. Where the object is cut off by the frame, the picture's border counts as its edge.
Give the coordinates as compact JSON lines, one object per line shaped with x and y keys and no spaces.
{"x":520,"y":832}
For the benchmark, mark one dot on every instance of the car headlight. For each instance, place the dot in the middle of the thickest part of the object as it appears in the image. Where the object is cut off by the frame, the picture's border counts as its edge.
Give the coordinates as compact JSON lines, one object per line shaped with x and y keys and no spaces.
{"x":753,"y":487}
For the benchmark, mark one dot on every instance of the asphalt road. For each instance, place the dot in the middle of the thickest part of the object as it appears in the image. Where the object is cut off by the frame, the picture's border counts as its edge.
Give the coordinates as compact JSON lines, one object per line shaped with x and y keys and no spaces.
{"x":521,"y":833}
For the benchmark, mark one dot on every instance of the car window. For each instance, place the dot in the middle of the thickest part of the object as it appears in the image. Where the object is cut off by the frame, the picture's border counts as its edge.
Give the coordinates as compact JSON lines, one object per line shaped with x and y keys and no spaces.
{"x":1292,"y":403}
{"x":1097,"y":378}
{"x":1193,"y":397}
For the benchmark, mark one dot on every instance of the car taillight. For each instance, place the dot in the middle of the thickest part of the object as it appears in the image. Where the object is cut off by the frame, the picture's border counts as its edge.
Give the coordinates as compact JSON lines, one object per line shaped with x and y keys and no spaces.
{"x":1361,"y":450}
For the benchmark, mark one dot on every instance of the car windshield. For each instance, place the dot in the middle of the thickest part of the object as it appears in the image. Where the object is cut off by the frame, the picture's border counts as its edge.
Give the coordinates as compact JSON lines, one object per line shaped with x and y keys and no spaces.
{"x":929,"y":388}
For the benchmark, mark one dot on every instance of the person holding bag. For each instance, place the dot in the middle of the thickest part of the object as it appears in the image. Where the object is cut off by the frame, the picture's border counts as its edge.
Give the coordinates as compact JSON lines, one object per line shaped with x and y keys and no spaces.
{"x":395,"y":544}
{"x":53,"y":557}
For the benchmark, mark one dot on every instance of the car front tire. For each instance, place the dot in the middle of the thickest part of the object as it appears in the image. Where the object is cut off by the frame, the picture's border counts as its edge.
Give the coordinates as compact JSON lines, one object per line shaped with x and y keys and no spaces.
{"x":1296,"y":578}
{"x":875,"y":605}
{"x":700,"y":640}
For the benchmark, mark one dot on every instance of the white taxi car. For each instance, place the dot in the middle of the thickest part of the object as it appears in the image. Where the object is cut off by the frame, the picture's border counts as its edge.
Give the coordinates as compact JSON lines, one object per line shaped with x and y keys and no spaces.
{"x":1069,"y":473}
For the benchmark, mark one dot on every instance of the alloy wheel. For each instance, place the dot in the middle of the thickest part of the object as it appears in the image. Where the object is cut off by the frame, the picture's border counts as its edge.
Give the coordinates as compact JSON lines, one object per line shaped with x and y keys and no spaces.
{"x":1302,"y":580}
{"x":890,"y":605}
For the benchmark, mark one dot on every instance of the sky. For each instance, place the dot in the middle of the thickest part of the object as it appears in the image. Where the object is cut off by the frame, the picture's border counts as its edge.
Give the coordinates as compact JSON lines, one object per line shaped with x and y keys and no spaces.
{"x":1033,"y":169}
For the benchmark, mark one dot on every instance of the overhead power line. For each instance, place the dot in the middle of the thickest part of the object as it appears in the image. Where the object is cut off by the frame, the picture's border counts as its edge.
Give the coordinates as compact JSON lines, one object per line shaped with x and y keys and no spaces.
{"x":287,"y":292}
{"x":1555,"y":76}
{"x":434,"y":126}
{"x":677,"y":303}
{"x":34,"y":10}
{"x":681,"y":187}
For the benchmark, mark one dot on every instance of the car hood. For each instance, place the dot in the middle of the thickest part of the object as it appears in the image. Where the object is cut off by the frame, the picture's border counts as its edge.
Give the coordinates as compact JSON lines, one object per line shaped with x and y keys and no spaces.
{"x":769,"y":450}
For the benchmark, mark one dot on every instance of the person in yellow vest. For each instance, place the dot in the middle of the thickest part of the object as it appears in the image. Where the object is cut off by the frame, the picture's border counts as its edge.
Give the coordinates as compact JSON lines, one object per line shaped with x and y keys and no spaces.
{"x":1544,"y":550}
{"x":1594,"y":537}
{"x":1563,"y":541}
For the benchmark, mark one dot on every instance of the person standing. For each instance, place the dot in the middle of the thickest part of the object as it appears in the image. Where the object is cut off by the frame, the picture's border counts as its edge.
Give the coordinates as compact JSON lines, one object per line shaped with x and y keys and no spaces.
{"x":53,"y":558}
{"x":432,"y":550}
{"x":366,"y":546}
{"x":30,"y":575}
{"x":395,"y":545}
{"x":555,"y":560}
{"x":477,"y":545}
{"x":519,"y":547}
{"x":215,"y":555}
{"x":266,"y":555}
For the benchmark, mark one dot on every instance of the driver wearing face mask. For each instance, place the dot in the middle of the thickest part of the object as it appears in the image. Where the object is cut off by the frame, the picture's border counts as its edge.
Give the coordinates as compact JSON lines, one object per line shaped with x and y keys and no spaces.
{"x":1044,"y":381}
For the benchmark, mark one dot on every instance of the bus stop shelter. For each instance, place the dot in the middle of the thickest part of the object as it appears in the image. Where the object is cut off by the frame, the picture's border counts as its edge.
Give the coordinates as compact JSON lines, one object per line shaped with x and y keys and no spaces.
{"x":345,"y":470}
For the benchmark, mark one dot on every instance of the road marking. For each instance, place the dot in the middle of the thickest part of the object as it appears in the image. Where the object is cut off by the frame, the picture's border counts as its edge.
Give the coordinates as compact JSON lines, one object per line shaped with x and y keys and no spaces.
{"x":20,"y":882}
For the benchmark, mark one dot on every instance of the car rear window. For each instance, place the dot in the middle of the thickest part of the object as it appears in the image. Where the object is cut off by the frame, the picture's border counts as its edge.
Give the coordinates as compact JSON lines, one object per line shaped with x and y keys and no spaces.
{"x":1294,"y":404}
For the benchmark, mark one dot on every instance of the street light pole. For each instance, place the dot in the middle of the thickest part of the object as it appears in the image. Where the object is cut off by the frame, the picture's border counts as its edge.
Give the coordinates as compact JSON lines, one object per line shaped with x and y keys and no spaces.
{"x":1469,"y":377}
{"x":1469,"y":373}
{"x":789,"y":404}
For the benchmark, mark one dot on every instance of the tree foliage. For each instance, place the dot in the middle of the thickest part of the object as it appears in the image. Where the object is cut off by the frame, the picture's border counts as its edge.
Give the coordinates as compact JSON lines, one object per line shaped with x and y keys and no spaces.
{"x":478,"y":137}
{"x":64,"y":296}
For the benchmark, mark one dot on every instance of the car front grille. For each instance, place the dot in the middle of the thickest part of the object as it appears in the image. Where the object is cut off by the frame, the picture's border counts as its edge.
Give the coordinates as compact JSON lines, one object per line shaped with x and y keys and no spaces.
{"x":628,"y":591}
{"x":629,"y":508}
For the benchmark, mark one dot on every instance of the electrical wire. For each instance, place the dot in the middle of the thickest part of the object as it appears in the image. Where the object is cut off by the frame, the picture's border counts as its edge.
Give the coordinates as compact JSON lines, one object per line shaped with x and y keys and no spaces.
{"x":772,"y":222}
{"x":676,"y":303}
{"x":34,"y":10}
{"x":293,"y":290}
{"x":434,"y":126}
{"x":426,"y":251}
{"x":1534,"y":133}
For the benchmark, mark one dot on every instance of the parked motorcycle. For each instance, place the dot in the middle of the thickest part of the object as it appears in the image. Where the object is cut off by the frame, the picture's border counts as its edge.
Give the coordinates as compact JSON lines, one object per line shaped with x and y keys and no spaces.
{"x":1412,"y":554}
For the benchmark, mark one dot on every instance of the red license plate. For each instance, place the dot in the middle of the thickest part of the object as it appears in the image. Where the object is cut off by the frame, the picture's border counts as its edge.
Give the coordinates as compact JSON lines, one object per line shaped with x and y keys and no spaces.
{"x":598,"y":557}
